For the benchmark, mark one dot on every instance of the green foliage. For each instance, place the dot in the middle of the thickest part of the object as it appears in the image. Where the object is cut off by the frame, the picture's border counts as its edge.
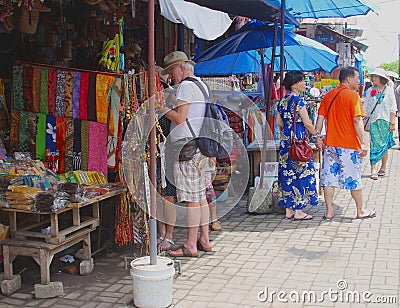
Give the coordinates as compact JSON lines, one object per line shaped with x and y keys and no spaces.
{"x":393,"y":66}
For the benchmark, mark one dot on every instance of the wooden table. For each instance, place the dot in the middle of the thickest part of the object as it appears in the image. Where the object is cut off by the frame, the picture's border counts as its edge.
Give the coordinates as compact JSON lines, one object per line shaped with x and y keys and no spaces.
{"x":29,"y":241}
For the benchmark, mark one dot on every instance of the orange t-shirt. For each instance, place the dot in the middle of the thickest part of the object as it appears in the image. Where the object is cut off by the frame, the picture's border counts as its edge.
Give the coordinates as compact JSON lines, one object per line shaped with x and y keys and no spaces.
{"x":340,"y":130}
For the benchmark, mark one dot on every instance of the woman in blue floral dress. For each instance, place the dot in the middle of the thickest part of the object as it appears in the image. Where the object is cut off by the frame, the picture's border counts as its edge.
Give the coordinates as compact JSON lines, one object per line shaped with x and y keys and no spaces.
{"x":296,"y":179}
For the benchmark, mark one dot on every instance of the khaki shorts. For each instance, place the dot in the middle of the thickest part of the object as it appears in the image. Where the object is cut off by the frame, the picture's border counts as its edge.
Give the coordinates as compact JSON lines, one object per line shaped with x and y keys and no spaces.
{"x":190,"y":178}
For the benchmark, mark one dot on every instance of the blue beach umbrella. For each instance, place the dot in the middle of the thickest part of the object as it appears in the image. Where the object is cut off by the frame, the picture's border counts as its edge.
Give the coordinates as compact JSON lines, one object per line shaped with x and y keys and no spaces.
{"x":297,"y":8}
{"x":239,"y":52}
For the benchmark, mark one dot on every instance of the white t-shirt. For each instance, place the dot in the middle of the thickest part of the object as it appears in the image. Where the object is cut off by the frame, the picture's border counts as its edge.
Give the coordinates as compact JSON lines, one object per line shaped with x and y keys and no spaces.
{"x":189,"y":92}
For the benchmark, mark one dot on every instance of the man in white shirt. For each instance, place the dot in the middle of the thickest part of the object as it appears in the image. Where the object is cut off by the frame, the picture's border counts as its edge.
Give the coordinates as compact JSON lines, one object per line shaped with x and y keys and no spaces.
{"x":189,"y":174}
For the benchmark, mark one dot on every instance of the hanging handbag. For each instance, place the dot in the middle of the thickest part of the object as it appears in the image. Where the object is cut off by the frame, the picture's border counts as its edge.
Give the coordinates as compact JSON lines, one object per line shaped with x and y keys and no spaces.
{"x":300,"y":150}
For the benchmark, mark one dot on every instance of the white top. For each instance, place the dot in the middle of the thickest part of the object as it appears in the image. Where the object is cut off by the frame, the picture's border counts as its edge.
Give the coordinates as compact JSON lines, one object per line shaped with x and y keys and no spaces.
{"x":189,"y":92}
{"x":383,"y":109}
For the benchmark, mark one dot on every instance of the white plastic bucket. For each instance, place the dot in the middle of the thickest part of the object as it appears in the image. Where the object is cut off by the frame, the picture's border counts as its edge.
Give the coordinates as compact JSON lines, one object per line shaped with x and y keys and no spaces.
{"x":152,"y":284}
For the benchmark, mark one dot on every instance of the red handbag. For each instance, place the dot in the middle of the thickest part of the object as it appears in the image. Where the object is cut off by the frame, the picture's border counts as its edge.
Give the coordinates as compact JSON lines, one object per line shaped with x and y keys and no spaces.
{"x":299,"y":150}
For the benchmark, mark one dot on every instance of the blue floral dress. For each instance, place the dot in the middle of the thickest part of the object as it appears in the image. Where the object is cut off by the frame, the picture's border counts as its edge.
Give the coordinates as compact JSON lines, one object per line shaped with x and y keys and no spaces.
{"x":296,"y":179}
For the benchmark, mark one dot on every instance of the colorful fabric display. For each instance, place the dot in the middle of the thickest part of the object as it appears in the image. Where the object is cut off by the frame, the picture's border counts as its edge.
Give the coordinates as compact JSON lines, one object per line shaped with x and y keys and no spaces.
{"x":60,"y":142}
{"x":60,"y":90}
{"x":91,"y":106}
{"x":69,"y":81}
{"x":83,"y":96}
{"x":36,"y":89}
{"x":97,"y":156}
{"x":77,"y":145}
{"x":41,"y":137}
{"x":44,"y":91}
{"x":103,"y":85}
{"x":69,"y":144}
{"x":18,"y":100}
{"x":23,"y":131}
{"x":51,"y":133}
{"x":76,"y":88}
{"x":27,"y":88}
{"x":52,"y":87}
{"x":85,"y":144}
{"x":32,"y":126}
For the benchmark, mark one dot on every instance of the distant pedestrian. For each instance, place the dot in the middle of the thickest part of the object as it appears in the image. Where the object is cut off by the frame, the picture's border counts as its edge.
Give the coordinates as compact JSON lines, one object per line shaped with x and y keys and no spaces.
{"x":380,"y":106}
{"x":345,"y":144}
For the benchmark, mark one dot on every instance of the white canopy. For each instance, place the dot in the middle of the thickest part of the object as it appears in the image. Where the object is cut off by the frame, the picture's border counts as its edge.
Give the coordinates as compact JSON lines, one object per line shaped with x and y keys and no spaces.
{"x":206,"y":24}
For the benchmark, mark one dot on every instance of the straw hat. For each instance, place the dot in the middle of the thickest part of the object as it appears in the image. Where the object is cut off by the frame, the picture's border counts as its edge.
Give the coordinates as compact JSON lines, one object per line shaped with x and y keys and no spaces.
{"x":173,"y":59}
{"x":380,"y":72}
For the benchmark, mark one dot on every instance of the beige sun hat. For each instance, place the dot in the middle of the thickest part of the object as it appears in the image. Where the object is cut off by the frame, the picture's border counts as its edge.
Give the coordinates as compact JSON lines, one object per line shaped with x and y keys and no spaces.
{"x":380,"y":72}
{"x":174,"y":58}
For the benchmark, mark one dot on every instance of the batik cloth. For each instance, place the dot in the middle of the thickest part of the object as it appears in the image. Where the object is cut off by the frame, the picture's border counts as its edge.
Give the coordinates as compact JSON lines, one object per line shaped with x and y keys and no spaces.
{"x":41,"y":137}
{"x":32,"y":127}
{"x":52,"y":87}
{"x":27,"y":87}
{"x":69,"y":144}
{"x":69,"y":81}
{"x":83,"y":96}
{"x":77,"y":145}
{"x":23,"y":132}
{"x":18,"y":100}
{"x":60,"y":92}
{"x":36,"y":89}
{"x":44,"y":90}
{"x":91,"y":105}
{"x":84,"y":145}
{"x":296,"y":179}
{"x":60,"y":143}
{"x":97,"y":159}
{"x":103,"y":85}
{"x":51,"y":133}
{"x":76,"y":94}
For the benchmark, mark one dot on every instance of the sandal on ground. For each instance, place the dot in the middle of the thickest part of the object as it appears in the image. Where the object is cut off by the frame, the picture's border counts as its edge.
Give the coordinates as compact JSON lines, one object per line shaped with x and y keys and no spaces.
{"x":374,"y":176}
{"x":203,"y":248}
{"x":216,"y":226}
{"x":381,"y":172}
{"x":307,"y":217}
{"x":184,"y":252}
{"x":170,"y":244}
{"x":289,"y":217}
{"x":327,"y":218}
{"x":370,"y":214}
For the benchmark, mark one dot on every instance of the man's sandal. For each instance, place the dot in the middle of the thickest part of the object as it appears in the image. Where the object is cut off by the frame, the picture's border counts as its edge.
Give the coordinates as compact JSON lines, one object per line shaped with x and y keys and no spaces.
{"x":374,"y":176}
{"x":381,"y":172}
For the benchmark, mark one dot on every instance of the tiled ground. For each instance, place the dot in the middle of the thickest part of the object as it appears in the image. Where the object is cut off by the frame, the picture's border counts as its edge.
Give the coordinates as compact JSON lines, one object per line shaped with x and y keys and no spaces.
{"x":258,"y":253}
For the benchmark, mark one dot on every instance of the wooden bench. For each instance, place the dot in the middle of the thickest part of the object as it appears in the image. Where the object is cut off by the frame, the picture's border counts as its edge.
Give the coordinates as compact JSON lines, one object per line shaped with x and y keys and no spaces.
{"x":42,"y":253}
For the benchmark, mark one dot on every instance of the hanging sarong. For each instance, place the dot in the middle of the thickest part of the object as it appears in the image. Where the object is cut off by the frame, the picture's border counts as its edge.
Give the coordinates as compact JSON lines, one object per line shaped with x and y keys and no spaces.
{"x":23,"y":131}
{"x":41,"y":137}
{"x":32,"y":126}
{"x":76,"y":94}
{"x":69,"y":144}
{"x":77,"y":145}
{"x":52,"y":86}
{"x":44,"y":90}
{"x":60,"y":93}
{"x":51,"y":133}
{"x":14,"y":130}
{"x":97,"y":156}
{"x":18,"y":100}
{"x":36,"y":90}
{"x":69,"y":80}
{"x":103,"y":85}
{"x":60,"y":143}
{"x":91,"y":106}
{"x":27,"y":88}
{"x":85,"y":144}
{"x":83,"y":97}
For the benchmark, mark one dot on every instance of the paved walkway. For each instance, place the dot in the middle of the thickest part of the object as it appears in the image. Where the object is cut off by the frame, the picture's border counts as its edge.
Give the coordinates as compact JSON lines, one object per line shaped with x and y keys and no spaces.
{"x":257,"y":257}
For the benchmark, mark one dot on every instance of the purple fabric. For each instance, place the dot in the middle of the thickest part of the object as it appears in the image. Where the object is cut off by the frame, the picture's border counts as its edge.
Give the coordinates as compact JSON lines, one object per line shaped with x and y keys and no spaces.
{"x":97,"y":160}
{"x":76,"y":95}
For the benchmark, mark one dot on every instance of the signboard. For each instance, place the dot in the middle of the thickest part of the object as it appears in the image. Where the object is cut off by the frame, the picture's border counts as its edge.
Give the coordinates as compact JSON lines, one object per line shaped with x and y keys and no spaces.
{"x":325,"y":38}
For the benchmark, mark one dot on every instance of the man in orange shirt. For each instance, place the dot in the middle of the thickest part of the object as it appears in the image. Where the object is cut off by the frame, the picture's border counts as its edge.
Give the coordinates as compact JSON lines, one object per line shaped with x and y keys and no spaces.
{"x":345,"y":144}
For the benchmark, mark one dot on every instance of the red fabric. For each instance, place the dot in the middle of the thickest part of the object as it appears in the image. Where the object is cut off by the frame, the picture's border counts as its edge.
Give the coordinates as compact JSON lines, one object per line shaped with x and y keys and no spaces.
{"x":52,"y":90}
{"x":60,"y":142}
{"x":83,"y":98}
